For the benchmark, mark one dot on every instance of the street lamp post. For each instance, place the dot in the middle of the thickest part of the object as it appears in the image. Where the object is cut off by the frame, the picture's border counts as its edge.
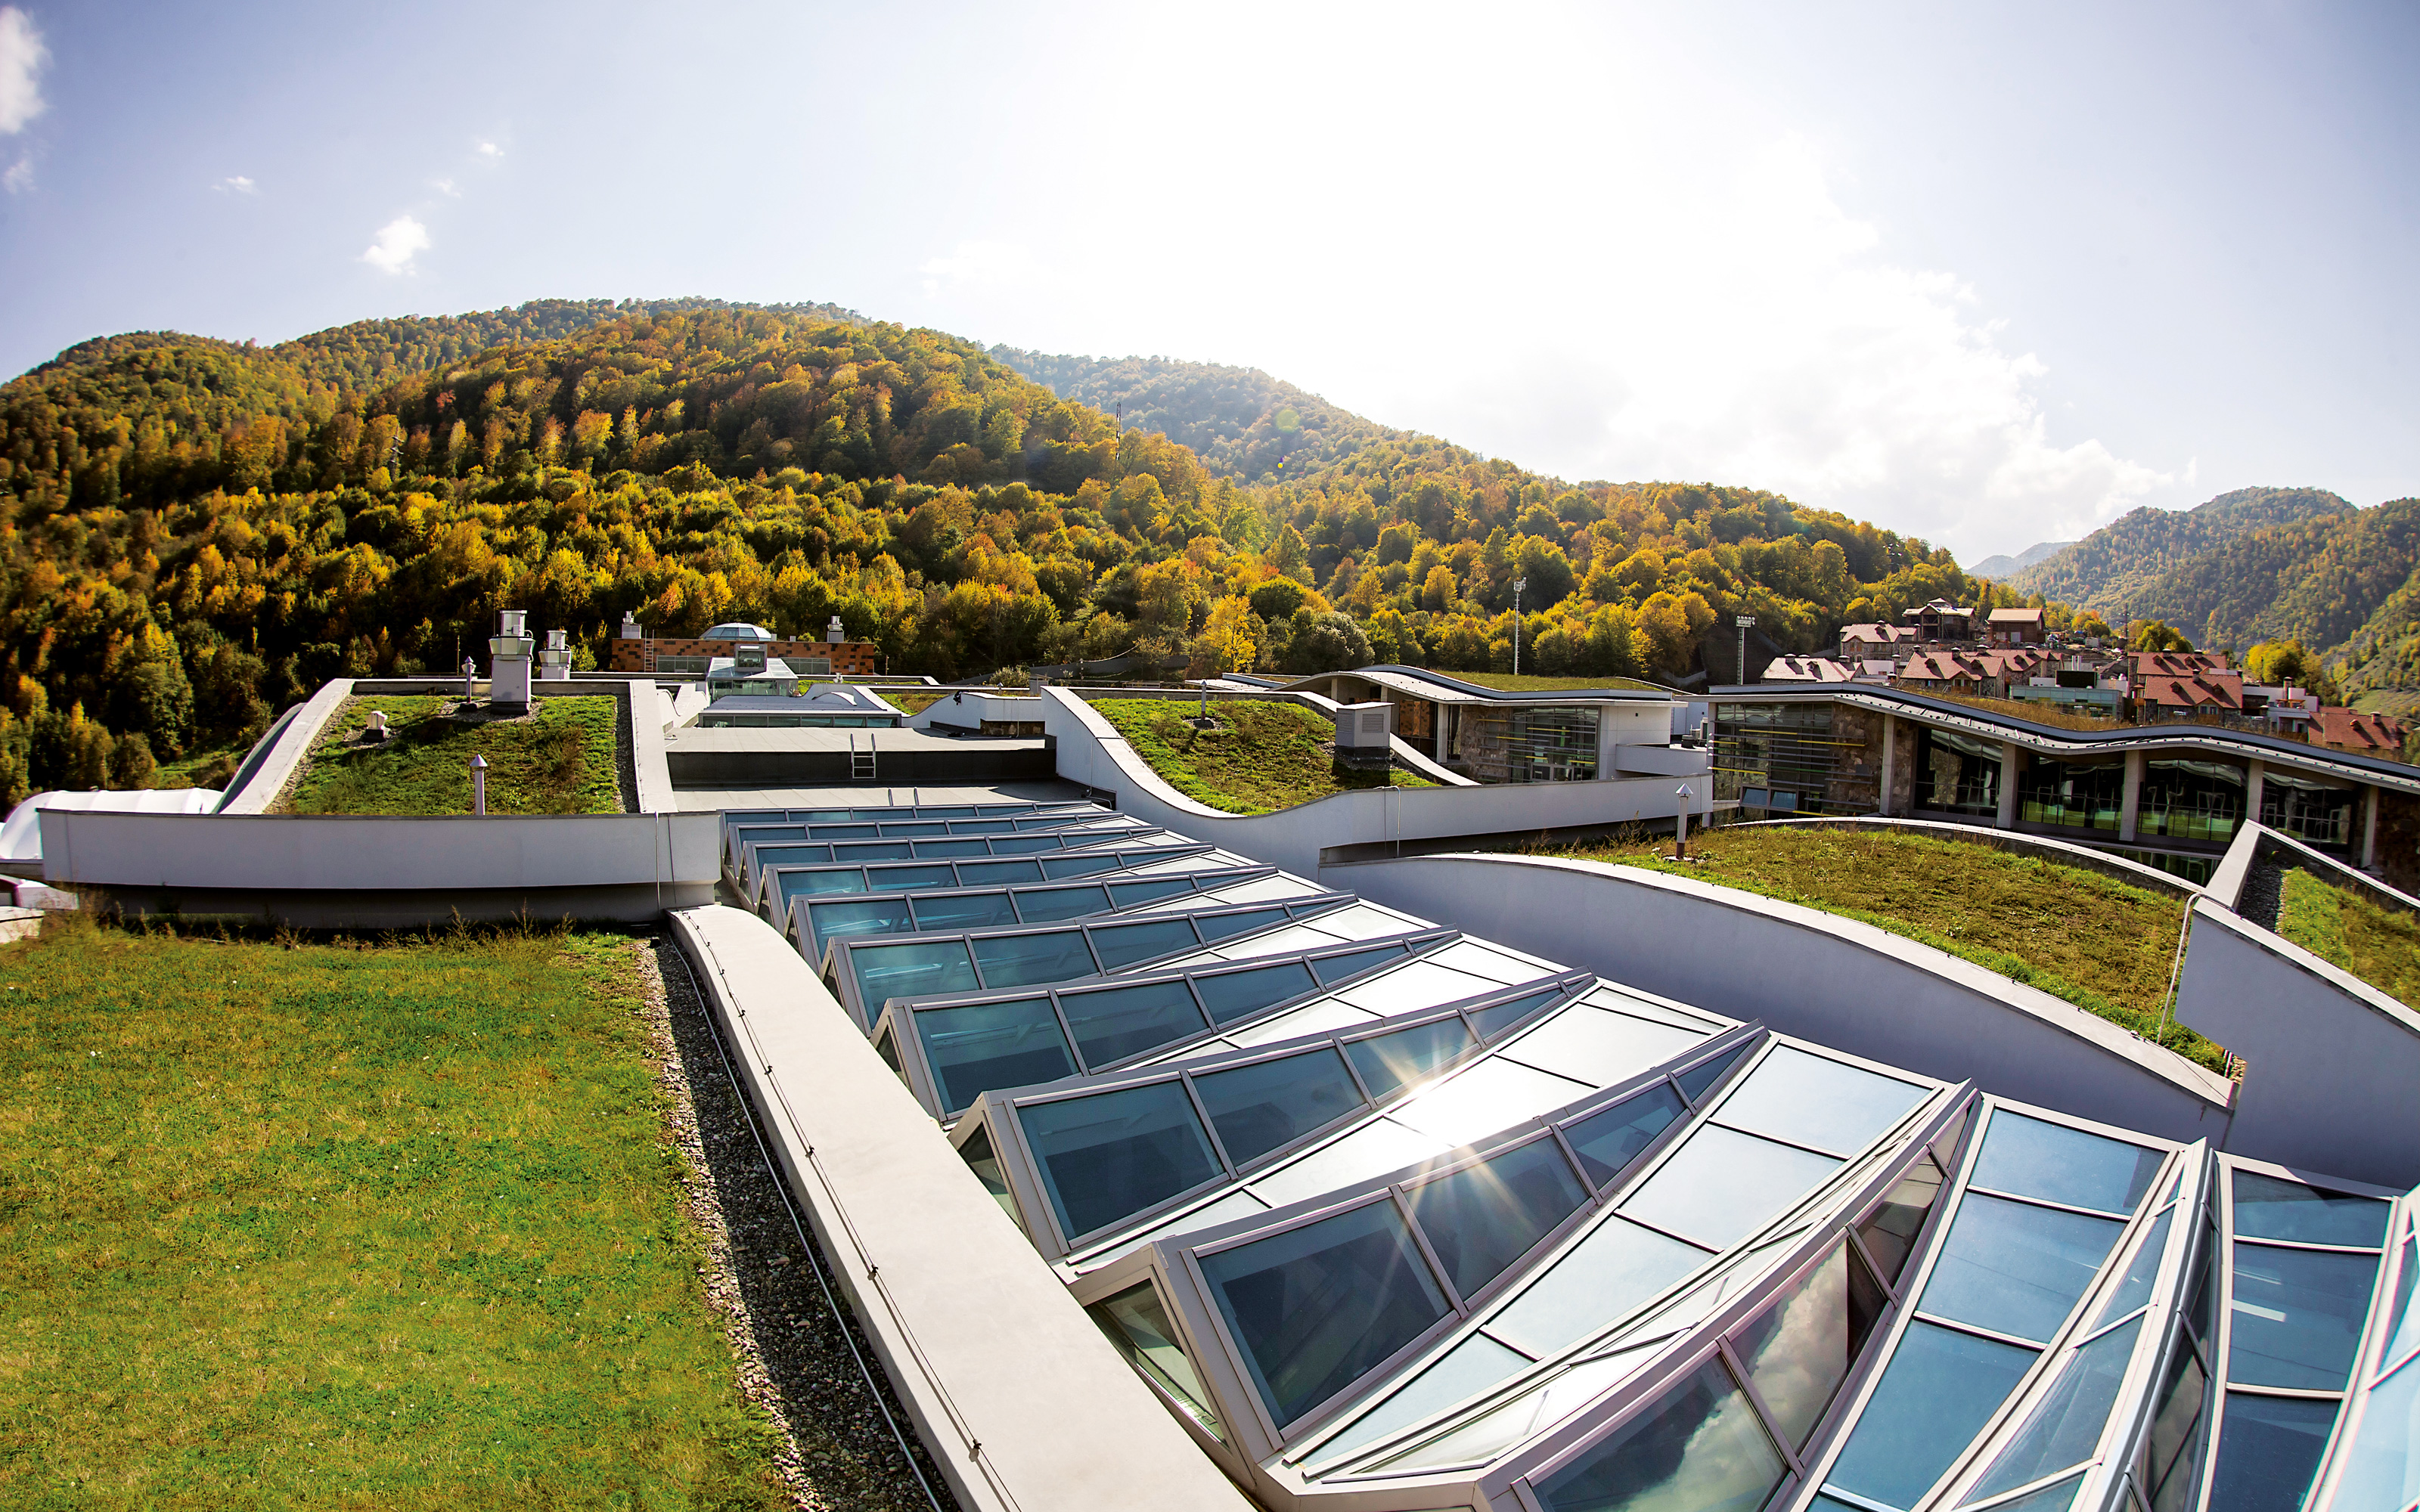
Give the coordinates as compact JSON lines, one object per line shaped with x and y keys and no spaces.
{"x":1680,"y":821}
{"x":1744,"y":622}
{"x":1518,"y":583}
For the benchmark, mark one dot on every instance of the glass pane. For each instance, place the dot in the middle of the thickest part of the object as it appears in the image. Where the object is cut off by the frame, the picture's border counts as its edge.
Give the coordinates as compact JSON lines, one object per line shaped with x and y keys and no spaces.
{"x":1226,"y":926}
{"x":850,"y":831}
{"x":1890,"y":1233}
{"x":1316,"y":1307}
{"x":1482,"y":1219}
{"x":1465,"y":1370}
{"x":1127,"y":894}
{"x":815,"y":884}
{"x":1387,"y":1061}
{"x":1137,"y":1326}
{"x":1233,"y":994}
{"x":1799,"y":1350}
{"x":1810,"y":1100}
{"x":977,"y":873}
{"x":1123,"y":945}
{"x":1601,"y":1047}
{"x":1020,"y":844}
{"x":985,"y":1046}
{"x":1699,"y":1446}
{"x":901,"y":878}
{"x":965,"y":910}
{"x":877,"y":850}
{"x":981,"y":1160}
{"x":2014,"y":1268}
{"x":1720,"y":1185}
{"x":2050,"y":1161}
{"x":2298,"y":1316}
{"x":1024,"y":960}
{"x":888,"y":1051}
{"x":2175,"y":1431}
{"x":859,"y":915}
{"x":946,"y":847}
{"x":2403,"y":1322}
{"x":2380,"y":1469}
{"x":2056,"y":1498}
{"x":1606,"y":1274}
{"x":1077,"y":866}
{"x":1120,"y":1022}
{"x":2067,"y":1423}
{"x":887,"y":971}
{"x":1698,"y":1077}
{"x":1488,"y":1433}
{"x":1490,"y":1022}
{"x":1112,"y":1154}
{"x":1936,"y":1394}
{"x":2268,"y":1448}
{"x":1257,"y":1108}
{"x":2135,"y":1289}
{"x":1606,"y":1142}
{"x":1332,"y":969}
{"x":1047,"y":906}
{"x":2266,"y":1208}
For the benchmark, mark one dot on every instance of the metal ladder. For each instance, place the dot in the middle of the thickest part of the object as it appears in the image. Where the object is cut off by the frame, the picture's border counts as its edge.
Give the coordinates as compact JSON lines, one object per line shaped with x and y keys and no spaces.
{"x":860,"y":761}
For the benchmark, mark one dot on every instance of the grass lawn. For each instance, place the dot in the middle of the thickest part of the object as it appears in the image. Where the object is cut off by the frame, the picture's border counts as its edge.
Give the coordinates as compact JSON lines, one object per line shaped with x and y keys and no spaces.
{"x":1264,"y":755}
{"x":2038,"y":713}
{"x":565,"y":758}
{"x":1507,"y":683}
{"x":2345,"y":928}
{"x":913,"y":702}
{"x":206,"y":768}
{"x":392,"y":1226}
{"x":2101,"y":943}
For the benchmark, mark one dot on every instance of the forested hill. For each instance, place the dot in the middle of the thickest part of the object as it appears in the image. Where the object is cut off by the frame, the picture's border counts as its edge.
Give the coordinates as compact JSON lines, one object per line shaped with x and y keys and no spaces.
{"x":1242,"y":423}
{"x":2107,"y":569}
{"x":194,"y":532}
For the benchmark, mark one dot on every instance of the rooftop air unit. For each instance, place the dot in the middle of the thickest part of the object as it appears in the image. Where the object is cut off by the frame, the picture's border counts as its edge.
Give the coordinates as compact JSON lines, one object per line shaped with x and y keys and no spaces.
{"x":1364,"y":733}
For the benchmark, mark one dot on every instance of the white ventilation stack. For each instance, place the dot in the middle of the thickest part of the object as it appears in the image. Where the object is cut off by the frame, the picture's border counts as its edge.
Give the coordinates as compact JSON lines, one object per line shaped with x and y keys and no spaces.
{"x":630,"y":630}
{"x":509,"y":661}
{"x":554,"y":659}
{"x":1364,"y":734}
{"x":833,"y":634}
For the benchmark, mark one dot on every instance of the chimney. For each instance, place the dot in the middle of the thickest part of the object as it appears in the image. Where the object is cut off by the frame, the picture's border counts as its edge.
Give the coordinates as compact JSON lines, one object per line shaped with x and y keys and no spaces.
{"x":833,"y":634}
{"x":508,"y":660}
{"x":630,"y":626}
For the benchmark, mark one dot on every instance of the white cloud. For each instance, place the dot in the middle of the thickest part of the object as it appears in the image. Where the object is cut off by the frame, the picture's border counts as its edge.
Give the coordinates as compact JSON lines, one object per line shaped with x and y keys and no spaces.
{"x":399,"y":241}
{"x":236,"y":184}
{"x":19,"y":177}
{"x":977,"y":264}
{"x":446,"y":187}
{"x":490,"y":149}
{"x":22,"y":56}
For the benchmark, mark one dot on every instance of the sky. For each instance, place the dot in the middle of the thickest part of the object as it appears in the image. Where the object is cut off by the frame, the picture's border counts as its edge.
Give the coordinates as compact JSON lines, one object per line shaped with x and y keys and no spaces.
{"x":1985,"y":274}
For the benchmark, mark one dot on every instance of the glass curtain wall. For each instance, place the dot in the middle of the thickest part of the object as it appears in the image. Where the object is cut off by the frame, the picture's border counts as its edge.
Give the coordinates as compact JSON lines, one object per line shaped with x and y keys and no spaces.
{"x":2191,"y":800}
{"x":2315,"y":812}
{"x":1533,"y":745}
{"x":2071,"y":794}
{"x":1957,"y":773}
{"x":1776,"y":757}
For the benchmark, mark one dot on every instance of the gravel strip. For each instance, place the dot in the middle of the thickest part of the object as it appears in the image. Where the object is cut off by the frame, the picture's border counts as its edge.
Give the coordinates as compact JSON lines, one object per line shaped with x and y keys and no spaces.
{"x":793,"y":1358}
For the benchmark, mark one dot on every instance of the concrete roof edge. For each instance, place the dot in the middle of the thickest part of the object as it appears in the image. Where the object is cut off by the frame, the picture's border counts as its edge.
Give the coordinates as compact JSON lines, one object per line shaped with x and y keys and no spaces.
{"x":2395,"y":1010}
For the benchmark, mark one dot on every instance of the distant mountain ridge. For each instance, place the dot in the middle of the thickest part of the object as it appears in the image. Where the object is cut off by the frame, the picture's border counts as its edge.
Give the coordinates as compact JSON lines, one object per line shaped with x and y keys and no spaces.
{"x":2001,"y":568}
{"x":2107,"y":569}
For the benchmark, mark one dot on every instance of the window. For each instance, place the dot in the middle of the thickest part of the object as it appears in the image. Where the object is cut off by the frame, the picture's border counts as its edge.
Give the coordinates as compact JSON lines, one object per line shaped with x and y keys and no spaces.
{"x":978,"y":1046}
{"x":1233,"y":994}
{"x":1136,"y":1324}
{"x":1261,"y":1107}
{"x":2071,"y":794}
{"x":1957,"y":773}
{"x":1113,"y":1023}
{"x":1114,"y":1153}
{"x":884,"y":972}
{"x":1023,"y":960}
{"x":1388,"y":1061}
{"x":1481,"y":1219}
{"x":1699,"y":1446}
{"x":2191,"y":800}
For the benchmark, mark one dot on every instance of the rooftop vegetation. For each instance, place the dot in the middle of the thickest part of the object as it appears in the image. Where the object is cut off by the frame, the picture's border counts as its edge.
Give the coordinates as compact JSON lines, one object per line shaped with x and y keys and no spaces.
{"x":1262,"y":756}
{"x":2347,"y":929}
{"x":2039,"y":713}
{"x":564,"y":758}
{"x":327,"y":1225}
{"x":1507,"y":683}
{"x":2099,"y":943}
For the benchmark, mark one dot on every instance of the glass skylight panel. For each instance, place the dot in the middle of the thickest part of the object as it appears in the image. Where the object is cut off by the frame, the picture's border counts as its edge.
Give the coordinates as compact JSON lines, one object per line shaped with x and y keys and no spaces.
{"x":2135,"y":1289}
{"x":964,"y":910}
{"x":2175,"y":1448}
{"x":1721,"y":1185}
{"x":2298,"y":1316}
{"x":902,"y":878}
{"x":1463,"y":1371}
{"x":1259,"y":1108}
{"x":1493,"y":1020}
{"x":985,"y":1162}
{"x":1275,"y":942}
{"x":1316,"y":1307}
{"x":1233,"y":994}
{"x":2382,"y":1464}
{"x":1050,"y":905}
{"x":1506,"y":968}
{"x":1599,"y":1046}
{"x":2268,"y":1208}
{"x":1114,"y":1153}
{"x":1226,"y":926}
{"x":1127,"y":894}
{"x":1028,"y":959}
{"x":910,"y":969}
{"x":1606,"y":1142}
{"x":1056,"y":867}
{"x":2268,"y":1448}
{"x":1705,"y":1073}
{"x":1489,"y":1095}
{"x":1813,"y":1099}
{"x":1123,"y":945}
{"x":1483,"y":1217}
{"x":867,"y":916}
{"x":812,"y":883}
{"x":978,"y":1046}
{"x":1137,"y":1326}
{"x":1699,"y":1446}
{"x":1799,"y":1350}
{"x":1111,"y":1024}
{"x":979,"y":872}
{"x":2403,"y":1319}
{"x":2034,"y":1158}
{"x":1488,"y":1434}
{"x":1413,"y":985}
{"x":1387,"y":1061}
{"x":1353,"y":1158}
{"x":1614,"y":1269}
{"x":1939,"y":1390}
{"x":2015,"y":1268}
{"x":1335,"y":968}
{"x":1890,"y":1233}
{"x":2067,"y":1423}
{"x":1323,"y":1016}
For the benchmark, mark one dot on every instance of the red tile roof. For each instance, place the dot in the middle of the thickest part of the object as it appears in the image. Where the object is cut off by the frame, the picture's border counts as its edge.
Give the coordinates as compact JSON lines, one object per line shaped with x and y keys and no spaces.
{"x":2342,"y":729}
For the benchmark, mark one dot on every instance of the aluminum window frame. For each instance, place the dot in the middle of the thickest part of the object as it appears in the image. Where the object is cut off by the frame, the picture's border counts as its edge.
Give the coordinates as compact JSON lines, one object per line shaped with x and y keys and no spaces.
{"x":774,"y":901}
{"x":754,"y":861}
{"x":2373,"y":1366}
{"x":813,"y":949}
